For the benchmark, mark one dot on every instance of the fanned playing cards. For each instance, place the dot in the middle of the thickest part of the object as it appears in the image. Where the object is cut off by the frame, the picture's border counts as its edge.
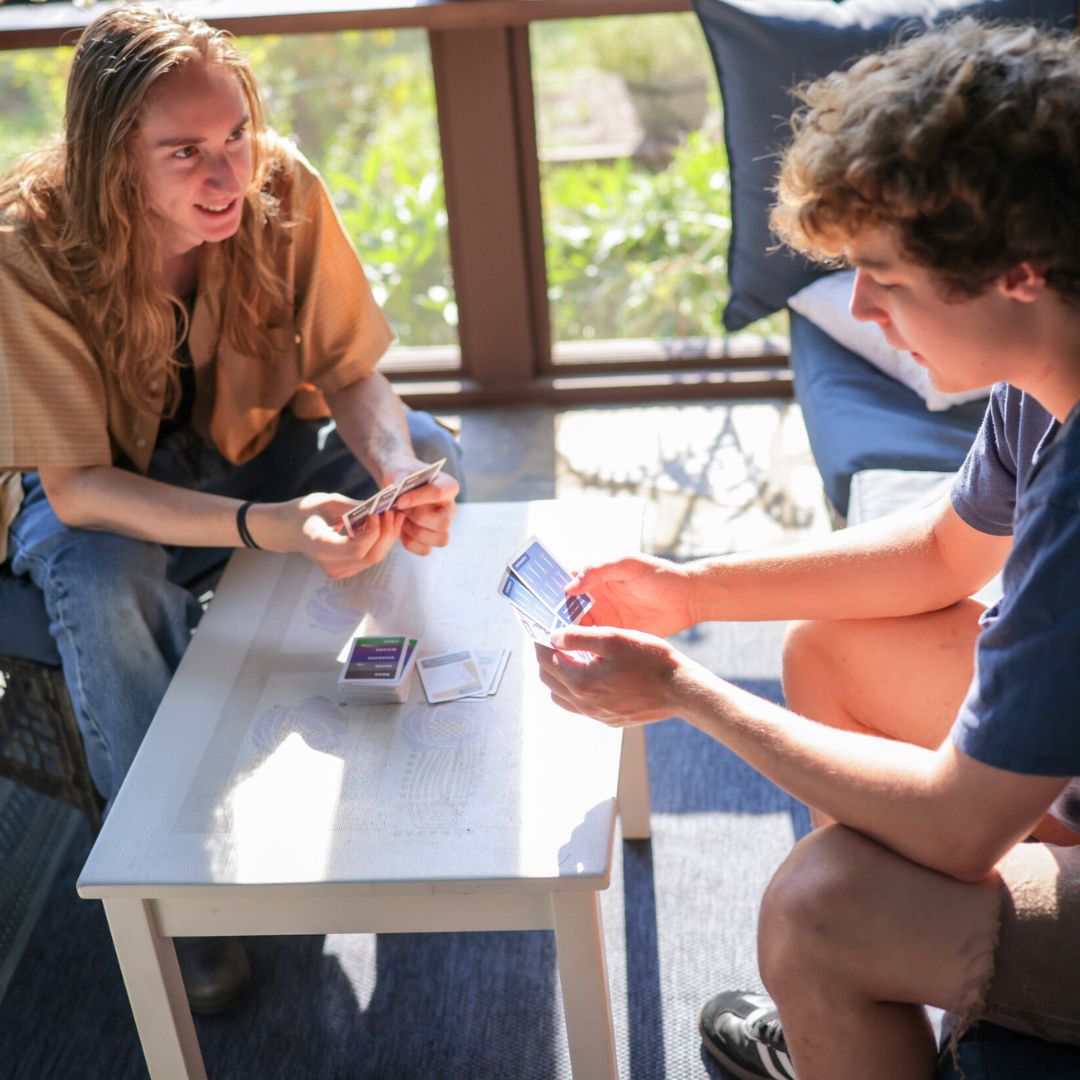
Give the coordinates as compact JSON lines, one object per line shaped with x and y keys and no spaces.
{"x":534,"y":582}
{"x":387,"y":499}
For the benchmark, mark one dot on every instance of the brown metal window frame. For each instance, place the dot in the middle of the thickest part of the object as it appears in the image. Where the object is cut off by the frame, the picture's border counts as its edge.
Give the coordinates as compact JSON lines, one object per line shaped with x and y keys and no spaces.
{"x":483,"y":88}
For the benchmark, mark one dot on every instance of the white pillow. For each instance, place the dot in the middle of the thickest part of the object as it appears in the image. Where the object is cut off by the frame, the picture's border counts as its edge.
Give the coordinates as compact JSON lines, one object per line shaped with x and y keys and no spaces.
{"x":826,"y":304}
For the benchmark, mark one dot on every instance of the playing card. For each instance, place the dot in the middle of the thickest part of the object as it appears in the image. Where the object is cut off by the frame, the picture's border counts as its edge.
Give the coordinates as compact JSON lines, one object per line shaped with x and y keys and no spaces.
{"x":419,"y":478}
{"x":450,"y":676}
{"x":528,"y":604}
{"x":386,"y":498}
{"x":492,"y":666}
{"x":356,"y":517}
{"x":545,"y":577}
{"x":374,"y":658}
{"x":378,"y":670}
{"x":540,"y":634}
{"x":494,"y":672}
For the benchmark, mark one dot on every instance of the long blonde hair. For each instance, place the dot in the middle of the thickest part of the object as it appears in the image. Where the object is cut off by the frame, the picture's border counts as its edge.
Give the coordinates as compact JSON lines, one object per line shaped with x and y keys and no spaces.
{"x":81,"y":201}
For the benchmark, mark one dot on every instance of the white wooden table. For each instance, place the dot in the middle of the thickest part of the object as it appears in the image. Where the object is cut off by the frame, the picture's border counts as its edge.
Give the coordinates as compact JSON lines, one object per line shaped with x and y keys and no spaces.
{"x":258,"y":805}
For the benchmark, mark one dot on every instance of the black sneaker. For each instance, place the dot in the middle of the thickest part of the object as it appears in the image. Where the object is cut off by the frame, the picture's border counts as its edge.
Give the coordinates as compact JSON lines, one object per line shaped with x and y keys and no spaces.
{"x":742,"y":1031}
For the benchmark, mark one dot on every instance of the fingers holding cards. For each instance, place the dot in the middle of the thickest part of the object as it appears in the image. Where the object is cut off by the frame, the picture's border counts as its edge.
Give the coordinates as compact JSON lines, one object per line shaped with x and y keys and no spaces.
{"x":443,"y":487}
{"x":427,"y":527}
{"x":341,"y":556}
{"x":387,"y":498}
{"x":535,"y":582}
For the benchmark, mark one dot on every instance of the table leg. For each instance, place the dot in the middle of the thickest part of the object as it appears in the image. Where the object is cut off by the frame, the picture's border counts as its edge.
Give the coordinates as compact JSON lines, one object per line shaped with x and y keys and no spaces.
{"x":634,"y":785}
{"x":579,"y":941}
{"x":156,"y":991}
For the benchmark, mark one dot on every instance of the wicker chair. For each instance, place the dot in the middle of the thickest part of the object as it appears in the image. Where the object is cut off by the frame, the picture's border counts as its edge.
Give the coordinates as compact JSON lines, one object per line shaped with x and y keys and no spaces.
{"x":40,"y":745}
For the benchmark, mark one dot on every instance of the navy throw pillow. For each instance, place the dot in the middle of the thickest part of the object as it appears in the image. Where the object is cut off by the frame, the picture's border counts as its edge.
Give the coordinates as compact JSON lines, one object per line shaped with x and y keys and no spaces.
{"x":763,"y":48}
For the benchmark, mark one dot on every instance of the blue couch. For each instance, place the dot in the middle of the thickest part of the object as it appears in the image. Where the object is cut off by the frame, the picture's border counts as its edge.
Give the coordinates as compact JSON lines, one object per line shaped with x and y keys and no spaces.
{"x":859,"y":418}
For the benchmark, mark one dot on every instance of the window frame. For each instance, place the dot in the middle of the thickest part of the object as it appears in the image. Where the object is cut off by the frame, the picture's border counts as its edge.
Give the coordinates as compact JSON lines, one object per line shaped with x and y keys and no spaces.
{"x":484,"y":96}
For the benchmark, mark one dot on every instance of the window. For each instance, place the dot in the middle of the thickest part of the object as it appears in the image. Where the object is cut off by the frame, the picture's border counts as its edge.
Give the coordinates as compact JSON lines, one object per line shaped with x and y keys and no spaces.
{"x":635,"y":189}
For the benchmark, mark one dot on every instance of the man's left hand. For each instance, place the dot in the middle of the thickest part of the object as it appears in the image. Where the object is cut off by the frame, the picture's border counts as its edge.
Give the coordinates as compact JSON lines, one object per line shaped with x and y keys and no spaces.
{"x":632,"y":678}
{"x":428,"y":511}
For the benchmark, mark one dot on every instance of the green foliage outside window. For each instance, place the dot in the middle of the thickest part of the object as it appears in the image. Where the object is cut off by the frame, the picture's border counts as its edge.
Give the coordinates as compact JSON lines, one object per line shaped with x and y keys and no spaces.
{"x":647,"y":248}
{"x":631,"y":252}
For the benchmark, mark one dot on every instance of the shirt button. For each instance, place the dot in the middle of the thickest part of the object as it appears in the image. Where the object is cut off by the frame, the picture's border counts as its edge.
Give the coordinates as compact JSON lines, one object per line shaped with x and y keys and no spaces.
{"x":298,"y":338}
{"x":140,"y":443}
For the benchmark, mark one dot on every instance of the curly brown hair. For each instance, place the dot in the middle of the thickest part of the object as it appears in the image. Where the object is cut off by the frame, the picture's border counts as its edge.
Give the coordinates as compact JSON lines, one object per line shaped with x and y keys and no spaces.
{"x":964,"y":142}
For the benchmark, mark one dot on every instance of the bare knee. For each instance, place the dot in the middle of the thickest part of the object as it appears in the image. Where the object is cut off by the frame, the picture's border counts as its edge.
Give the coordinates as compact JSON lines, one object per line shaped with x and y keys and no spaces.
{"x":810,"y":912}
{"x":810,"y":675}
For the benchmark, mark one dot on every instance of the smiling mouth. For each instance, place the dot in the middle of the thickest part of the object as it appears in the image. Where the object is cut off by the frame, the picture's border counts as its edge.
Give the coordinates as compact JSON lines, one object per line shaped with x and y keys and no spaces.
{"x":216,"y":208}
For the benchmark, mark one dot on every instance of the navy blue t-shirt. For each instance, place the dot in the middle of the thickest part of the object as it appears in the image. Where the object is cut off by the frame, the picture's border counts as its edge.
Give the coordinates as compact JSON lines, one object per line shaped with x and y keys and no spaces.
{"x":1022,"y":476}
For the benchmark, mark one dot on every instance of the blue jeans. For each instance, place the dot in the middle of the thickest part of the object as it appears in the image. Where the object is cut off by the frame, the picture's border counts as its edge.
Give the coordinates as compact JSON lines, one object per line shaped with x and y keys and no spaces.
{"x":117,"y":607}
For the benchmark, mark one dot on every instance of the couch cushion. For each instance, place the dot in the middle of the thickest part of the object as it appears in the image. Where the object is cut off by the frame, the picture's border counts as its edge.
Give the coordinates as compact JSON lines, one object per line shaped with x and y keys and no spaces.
{"x":859,"y":418}
{"x":827,"y":304}
{"x":24,"y":625}
{"x":761,"y":48}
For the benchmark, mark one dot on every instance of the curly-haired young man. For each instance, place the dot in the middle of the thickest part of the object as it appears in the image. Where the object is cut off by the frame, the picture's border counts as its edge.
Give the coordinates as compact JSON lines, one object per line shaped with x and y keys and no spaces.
{"x":931,"y":737}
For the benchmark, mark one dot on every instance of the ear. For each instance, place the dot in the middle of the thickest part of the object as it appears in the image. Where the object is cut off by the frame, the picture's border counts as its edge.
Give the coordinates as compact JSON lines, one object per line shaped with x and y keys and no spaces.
{"x":1023,"y":283}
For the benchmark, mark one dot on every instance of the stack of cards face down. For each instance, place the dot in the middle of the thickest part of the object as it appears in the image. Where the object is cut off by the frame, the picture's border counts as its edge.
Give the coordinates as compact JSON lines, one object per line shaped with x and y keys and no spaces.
{"x":378,"y":669}
{"x":535,"y":583}
{"x":387,"y":499}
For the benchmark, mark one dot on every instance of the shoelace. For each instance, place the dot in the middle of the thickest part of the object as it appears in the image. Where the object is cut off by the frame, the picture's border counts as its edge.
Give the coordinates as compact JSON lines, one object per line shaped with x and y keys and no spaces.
{"x":767,"y":1029}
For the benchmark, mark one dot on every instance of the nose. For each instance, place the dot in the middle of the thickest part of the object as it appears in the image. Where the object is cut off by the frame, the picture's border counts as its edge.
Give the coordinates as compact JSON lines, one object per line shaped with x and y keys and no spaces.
{"x":865,"y":305}
{"x":224,"y":175}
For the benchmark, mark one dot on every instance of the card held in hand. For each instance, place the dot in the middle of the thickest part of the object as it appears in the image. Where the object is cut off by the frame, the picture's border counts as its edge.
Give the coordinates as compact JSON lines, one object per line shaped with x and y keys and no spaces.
{"x":535,"y":583}
{"x":386,"y":499}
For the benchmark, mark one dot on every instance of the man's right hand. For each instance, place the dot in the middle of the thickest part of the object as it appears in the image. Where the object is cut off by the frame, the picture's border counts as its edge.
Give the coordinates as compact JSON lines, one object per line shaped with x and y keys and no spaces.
{"x":638,"y":593}
{"x":310,"y":526}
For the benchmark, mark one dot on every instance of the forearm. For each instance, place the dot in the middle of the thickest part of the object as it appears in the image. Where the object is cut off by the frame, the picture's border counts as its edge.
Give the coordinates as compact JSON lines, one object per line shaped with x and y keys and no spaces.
{"x":900,"y":795}
{"x":110,"y":499}
{"x":370,"y":418}
{"x":115,"y":500}
{"x":900,"y":565}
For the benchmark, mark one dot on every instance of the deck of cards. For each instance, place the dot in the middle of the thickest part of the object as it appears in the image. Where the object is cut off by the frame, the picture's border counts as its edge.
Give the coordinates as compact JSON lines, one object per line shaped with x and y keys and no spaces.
{"x":463,"y":673}
{"x":387,"y":499}
{"x":534,"y":582}
{"x":377,"y":670}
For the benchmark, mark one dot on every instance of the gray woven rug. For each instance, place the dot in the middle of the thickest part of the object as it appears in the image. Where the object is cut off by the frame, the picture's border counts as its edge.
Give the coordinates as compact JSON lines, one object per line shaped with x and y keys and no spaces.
{"x":34,"y":835}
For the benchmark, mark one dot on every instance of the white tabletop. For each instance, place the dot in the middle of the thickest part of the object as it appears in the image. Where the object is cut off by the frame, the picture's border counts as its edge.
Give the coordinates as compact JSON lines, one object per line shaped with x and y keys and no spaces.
{"x":252,"y":774}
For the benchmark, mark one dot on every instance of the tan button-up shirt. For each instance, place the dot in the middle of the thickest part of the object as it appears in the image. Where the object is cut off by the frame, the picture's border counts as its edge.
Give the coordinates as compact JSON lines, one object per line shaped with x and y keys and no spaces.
{"x":59,"y":405}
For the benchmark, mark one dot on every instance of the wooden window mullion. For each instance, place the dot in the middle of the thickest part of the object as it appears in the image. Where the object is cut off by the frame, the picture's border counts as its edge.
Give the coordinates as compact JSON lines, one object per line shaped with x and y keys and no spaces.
{"x":492,"y":198}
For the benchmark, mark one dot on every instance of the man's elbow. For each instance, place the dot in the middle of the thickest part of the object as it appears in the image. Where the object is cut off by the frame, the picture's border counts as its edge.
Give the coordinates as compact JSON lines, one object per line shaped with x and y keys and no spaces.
{"x":64,"y":490}
{"x":969,"y":858}
{"x":970,"y":870}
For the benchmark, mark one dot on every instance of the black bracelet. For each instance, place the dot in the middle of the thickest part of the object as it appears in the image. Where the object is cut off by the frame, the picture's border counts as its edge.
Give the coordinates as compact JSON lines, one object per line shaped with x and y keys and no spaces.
{"x":241,"y":525}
